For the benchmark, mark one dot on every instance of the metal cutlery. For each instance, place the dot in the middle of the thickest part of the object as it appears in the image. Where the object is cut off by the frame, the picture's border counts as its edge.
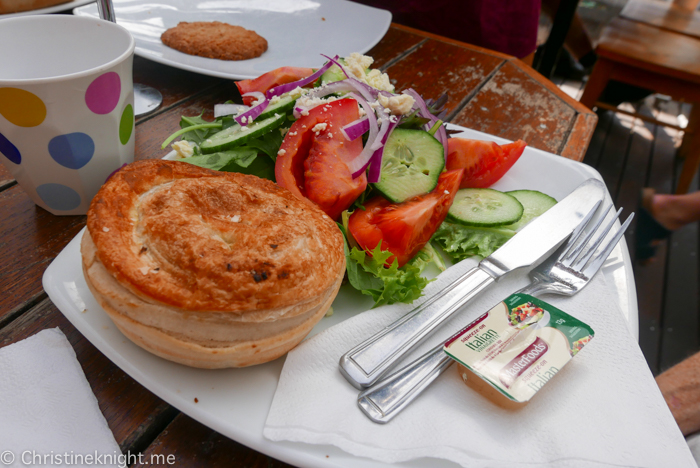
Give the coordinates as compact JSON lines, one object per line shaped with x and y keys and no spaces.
{"x":367,"y":362}
{"x":566,"y":272}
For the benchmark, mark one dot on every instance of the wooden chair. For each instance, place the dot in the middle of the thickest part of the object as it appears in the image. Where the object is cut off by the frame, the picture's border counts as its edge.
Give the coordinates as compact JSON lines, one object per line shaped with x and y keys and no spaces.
{"x":654,"y":45}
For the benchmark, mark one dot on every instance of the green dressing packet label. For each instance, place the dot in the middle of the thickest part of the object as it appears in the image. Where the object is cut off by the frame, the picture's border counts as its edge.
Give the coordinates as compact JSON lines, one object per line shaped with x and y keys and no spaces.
{"x":519,"y":345}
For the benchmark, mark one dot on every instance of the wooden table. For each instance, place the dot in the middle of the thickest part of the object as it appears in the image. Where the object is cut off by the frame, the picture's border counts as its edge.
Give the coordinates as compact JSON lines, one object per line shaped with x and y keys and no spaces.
{"x":490,"y":92}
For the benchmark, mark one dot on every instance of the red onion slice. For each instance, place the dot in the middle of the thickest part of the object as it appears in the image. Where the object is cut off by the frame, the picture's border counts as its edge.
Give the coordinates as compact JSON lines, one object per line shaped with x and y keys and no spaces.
{"x":359,"y":164}
{"x":285,"y":88}
{"x":375,"y":163}
{"x":342,"y":86}
{"x":441,"y":134}
{"x":221,"y":110}
{"x":336,"y":62}
{"x":356,"y":129}
{"x":251,"y":114}
{"x":386,"y":126}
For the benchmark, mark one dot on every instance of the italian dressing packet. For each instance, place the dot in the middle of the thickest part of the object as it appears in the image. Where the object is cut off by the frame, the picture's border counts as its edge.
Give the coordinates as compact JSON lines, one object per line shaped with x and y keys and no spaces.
{"x":512,"y":350}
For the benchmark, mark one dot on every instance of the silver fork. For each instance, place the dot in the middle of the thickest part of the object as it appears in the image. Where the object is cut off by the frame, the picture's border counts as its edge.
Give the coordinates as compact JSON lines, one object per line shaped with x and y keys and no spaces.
{"x":566,"y":272}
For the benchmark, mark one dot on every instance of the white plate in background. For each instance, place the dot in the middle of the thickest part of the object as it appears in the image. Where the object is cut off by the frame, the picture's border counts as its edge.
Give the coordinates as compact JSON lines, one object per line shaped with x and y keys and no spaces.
{"x":297,"y":31}
{"x":235,"y":402}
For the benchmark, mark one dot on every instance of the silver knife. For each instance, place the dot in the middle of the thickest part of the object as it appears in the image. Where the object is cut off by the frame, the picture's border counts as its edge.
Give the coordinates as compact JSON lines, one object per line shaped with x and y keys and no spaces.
{"x":367,"y":362}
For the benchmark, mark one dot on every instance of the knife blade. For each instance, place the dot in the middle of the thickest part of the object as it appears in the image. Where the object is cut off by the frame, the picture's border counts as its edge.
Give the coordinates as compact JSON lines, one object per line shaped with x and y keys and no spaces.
{"x":368,"y":361}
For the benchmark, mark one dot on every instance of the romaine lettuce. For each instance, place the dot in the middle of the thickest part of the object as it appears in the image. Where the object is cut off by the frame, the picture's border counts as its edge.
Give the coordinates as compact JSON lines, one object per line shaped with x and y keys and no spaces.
{"x":460,"y":242}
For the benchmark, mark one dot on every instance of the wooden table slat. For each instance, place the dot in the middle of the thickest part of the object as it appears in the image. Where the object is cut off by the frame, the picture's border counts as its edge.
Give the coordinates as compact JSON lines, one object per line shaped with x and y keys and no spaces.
{"x":534,"y":114}
{"x":664,"y":15}
{"x":467,"y":71}
{"x":30,"y":238}
{"x":393,"y":45}
{"x":195,"y":445}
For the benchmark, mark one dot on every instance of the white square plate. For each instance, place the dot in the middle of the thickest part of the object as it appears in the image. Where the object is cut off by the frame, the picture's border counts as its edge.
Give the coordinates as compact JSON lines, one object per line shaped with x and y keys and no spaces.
{"x":235,"y":402}
{"x":297,"y":31}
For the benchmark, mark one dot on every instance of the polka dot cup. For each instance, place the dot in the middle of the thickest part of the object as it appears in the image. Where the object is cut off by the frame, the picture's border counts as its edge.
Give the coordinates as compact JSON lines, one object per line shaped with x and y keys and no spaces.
{"x":66,"y":106}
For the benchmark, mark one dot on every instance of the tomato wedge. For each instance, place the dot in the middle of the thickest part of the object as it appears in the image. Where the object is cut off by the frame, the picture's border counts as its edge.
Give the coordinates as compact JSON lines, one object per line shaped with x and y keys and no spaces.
{"x":269,"y":80}
{"x":314,"y":156}
{"x":404,"y":228}
{"x":485,"y":162}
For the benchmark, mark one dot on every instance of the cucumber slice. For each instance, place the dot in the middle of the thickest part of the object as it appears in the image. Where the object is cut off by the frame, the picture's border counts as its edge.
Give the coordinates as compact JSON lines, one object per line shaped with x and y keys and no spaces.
{"x":236,"y":136}
{"x":282,"y":106}
{"x":333,"y":74}
{"x":411,"y":165}
{"x":534,"y":204}
{"x":484,"y":207}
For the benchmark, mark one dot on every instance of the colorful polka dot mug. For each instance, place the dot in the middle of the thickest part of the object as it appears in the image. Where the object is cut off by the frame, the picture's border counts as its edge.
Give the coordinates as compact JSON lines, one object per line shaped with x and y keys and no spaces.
{"x":66,"y":106}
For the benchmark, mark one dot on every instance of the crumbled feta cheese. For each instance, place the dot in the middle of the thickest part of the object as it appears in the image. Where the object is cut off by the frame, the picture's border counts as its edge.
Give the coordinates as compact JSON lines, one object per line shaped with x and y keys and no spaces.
{"x":244,"y":129}
{"x":275,"y":100}
{"x":183,"y":148}
{"x":281,"y":152}
{"x":447,"y":192}
{"x":105,"y":229}
{"x":319,"y":127}
{"x":379,"y":80}
{"x":330,"y":135}
{"x":309,"y":102}
{"x":236,"y":218}
{"x":399,"y":104}
{"x":297,"y":92}
{"x":304,"y":113}
{"x":356,"y":64}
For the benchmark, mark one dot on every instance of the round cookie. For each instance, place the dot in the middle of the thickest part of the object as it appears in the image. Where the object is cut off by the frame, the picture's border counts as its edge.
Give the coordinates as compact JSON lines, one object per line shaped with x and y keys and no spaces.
{"x":216,"y":40}
{"x":209,"y":269}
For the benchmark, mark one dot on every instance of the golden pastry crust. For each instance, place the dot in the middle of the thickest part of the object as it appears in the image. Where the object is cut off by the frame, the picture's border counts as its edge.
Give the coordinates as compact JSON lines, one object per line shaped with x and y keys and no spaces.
{"x":208,"y":268}
{"x":214,"y":39}
{"x":14,"y":6}
{"x":206,"y":240}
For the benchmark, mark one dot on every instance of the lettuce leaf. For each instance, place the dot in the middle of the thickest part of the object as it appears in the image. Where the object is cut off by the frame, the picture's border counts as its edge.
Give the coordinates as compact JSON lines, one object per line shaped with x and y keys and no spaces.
{"x":245,"y":160}
{"x":268,"y":143}
{"x":460,"y":242}
{"x":386,"y":285}
{"x":196,"y":136}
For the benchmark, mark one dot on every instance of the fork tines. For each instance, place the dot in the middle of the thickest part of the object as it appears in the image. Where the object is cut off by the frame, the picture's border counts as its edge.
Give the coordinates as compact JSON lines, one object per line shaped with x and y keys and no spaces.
{"x":579,"y":254}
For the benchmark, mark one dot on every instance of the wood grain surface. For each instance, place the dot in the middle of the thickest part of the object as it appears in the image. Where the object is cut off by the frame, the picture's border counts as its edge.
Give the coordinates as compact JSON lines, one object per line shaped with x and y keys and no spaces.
{"x":650,"y":48}
{"x":664,"y":15}
{"x":488,"y":91}
{"x":536,"y":115}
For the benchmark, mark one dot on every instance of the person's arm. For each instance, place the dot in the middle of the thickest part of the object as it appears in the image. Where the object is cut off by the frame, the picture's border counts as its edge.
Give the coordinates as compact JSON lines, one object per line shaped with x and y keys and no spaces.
{"x":680,"y":386}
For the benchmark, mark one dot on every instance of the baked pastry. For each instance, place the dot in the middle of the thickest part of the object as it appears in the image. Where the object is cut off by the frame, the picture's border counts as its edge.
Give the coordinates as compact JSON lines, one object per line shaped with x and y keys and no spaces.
{"x":209,"y":269}
{"x":214,"y":39}
{"x":15,"y":6}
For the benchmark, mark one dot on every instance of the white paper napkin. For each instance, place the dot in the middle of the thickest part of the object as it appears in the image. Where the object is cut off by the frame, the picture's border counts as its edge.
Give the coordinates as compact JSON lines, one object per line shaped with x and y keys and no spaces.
{"x":47,"y":408}
{"x":603,"y":409}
